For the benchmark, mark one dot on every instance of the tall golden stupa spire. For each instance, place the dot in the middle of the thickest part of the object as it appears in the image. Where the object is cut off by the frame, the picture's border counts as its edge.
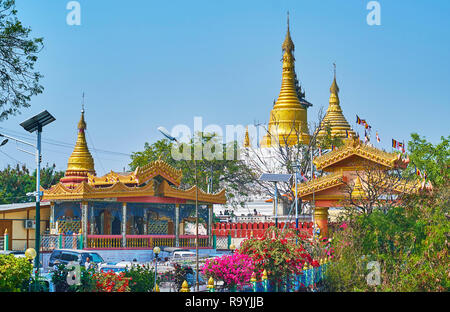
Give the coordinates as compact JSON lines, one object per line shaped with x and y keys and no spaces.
{"x":334,"y":117}
{"x":288,"y":119}
{"x":80,"y":162}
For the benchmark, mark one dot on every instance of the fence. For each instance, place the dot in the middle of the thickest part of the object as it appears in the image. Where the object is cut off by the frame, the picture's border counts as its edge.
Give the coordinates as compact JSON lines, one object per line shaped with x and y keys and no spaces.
{"x":310,"y":279}
{"x":256,"y":229}
{"x":144,"y":241}
{"x":51,"y":242}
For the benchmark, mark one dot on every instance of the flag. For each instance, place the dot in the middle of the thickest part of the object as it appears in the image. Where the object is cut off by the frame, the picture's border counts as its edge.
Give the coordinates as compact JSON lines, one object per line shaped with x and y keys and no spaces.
{"x":358,"y":120}
{"x":320,"y":151}
{"x":378,"y":138}
{"x":332,"y":147}
{"x":346,"y":133}
{"x":366,"y":138}
{"x":303,"y":176}
{"x":394,"y":143}
{"x":425,"y":174}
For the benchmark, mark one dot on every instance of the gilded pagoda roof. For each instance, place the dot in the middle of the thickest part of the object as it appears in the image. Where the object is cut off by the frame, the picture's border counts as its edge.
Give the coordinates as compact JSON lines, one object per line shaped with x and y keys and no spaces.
{"x":288,"y":124}
{"x":334,"y":117}
{"x":320,"y":184}
{"x":140,"y":175}
{"x":139,"y":183}
{"x":353,"y":146}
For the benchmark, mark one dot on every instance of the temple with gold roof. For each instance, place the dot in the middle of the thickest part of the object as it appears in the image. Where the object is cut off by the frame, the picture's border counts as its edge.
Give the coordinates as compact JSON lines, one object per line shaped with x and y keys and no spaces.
{"x":136,"y":209}
{"x":344,"y":167}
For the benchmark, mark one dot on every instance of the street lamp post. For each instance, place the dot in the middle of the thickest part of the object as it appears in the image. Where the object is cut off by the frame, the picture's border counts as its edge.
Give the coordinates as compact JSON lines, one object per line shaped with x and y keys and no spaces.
{"x":35,"y":123}
{"x":156,"y":251}
{"x":171,"y":138}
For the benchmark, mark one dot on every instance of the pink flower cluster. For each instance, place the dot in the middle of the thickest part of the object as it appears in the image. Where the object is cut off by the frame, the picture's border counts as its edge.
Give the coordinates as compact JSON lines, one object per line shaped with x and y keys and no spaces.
{"x":233,"y":269}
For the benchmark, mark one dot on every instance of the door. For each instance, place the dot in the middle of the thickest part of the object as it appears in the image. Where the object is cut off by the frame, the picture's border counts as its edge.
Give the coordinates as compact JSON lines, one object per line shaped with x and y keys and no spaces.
{"x":6,"y":224}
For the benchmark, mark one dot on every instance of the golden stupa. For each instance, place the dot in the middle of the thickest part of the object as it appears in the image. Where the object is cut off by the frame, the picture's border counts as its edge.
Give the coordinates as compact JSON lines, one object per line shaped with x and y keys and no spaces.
{"x":288,"y":119}
{"x":80,"y":162}
{"x":334,"y":118}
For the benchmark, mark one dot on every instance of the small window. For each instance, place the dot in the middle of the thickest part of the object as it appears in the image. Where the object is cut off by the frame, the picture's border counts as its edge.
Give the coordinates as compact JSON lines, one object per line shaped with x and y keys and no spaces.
{"x":55,"y":255}
{"x":94,"y":257}
{"x":69,"y":257}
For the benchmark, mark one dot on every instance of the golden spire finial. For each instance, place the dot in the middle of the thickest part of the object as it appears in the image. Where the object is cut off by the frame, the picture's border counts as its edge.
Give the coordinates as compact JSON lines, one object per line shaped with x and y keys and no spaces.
{"x":334,"y":89}
{"x":288,"y":44}
{"x":247,"y":138}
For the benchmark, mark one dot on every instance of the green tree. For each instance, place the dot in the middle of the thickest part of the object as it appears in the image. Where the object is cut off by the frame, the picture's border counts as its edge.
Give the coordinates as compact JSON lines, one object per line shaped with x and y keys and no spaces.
{"x":18,"y":55}
{"x":233,"y":175}
{"x":433,"y":159}
{"x":16,"y":182}
{"x":409,"y":240}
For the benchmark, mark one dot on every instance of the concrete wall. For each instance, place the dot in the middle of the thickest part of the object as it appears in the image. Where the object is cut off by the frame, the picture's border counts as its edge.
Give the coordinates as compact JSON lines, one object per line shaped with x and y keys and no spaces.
{"x":19,"y":233}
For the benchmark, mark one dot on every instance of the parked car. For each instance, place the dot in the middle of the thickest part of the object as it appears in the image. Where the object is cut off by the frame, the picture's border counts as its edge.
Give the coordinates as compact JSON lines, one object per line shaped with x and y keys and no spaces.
{"x":16,"y":253}
{"x":64,"y":256}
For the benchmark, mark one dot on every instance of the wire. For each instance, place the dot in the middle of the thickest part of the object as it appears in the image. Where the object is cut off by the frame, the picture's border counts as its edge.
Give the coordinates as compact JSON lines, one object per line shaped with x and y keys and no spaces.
{"x":59,"y":143}
{"x":19,"y":162}
{"x":92,"y":143}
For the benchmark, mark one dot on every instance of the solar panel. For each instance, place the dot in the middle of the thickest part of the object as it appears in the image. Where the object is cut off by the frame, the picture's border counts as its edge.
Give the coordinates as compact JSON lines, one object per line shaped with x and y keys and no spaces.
{"x":41,"y":119}
{"x":275,"y":177}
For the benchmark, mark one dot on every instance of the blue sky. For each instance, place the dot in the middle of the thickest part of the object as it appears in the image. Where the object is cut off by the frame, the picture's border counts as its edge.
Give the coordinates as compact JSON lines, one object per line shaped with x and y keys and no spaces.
{"x":143,"y":64}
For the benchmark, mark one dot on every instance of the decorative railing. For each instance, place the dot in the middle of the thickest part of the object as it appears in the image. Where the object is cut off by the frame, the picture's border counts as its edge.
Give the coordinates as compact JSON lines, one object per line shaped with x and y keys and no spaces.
{"x":71,"y":241}
{"x":256,"y":229}
{"x":144,"y":241}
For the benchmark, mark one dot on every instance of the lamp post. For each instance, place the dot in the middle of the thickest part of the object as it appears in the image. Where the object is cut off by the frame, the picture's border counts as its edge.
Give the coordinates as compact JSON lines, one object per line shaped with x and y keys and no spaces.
{"x":173,"y":139}
{"x":35,"y":124}
{"x":275,"y":177}
{"x":30,"y":254}
{"x":156,"y":251}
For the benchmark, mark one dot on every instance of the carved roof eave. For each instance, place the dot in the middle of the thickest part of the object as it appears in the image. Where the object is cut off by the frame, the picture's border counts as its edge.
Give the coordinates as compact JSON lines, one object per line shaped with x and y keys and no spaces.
{"x":320,"y":184}
{"x":86,"y":191}
{"x":357,"y":148}
{"x":141,"y":175}
{"x":169,"y":191}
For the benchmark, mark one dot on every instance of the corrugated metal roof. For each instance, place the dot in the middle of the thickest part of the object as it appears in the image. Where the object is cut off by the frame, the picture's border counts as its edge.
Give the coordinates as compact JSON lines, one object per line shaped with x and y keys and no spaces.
{"x":17,"y":206}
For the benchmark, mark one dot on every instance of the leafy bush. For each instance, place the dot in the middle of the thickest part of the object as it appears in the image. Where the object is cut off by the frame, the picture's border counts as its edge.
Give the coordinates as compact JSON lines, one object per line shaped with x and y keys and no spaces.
{"x":409,"y":242}
{"x":15,"y":273}
{"x":59,"y":279}
{"x":142,"y":278}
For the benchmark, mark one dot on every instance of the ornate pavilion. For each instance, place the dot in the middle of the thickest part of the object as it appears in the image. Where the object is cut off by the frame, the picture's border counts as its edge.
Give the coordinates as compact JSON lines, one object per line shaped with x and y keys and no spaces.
{"x":127,"y":209}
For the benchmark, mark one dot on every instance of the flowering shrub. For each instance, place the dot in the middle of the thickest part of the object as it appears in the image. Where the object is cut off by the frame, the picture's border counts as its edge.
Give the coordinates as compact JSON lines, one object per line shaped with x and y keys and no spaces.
{"x":142,"y":278}
{"x":111,"y":282}
{"x":233,"y":270}
{"x":280,"y":253}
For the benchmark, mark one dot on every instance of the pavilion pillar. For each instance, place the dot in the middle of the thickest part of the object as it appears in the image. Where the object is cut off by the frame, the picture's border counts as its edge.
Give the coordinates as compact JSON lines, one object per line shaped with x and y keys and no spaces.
{"x":177,"y":225}
{"x":145,"y":221}
{"x":84,"y":221}
{"x":321,"y":218}
{"x":52,"y":218}
{"x":91,"y":220}
{"x":210,"y":222}
{"x":124,"y":224}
